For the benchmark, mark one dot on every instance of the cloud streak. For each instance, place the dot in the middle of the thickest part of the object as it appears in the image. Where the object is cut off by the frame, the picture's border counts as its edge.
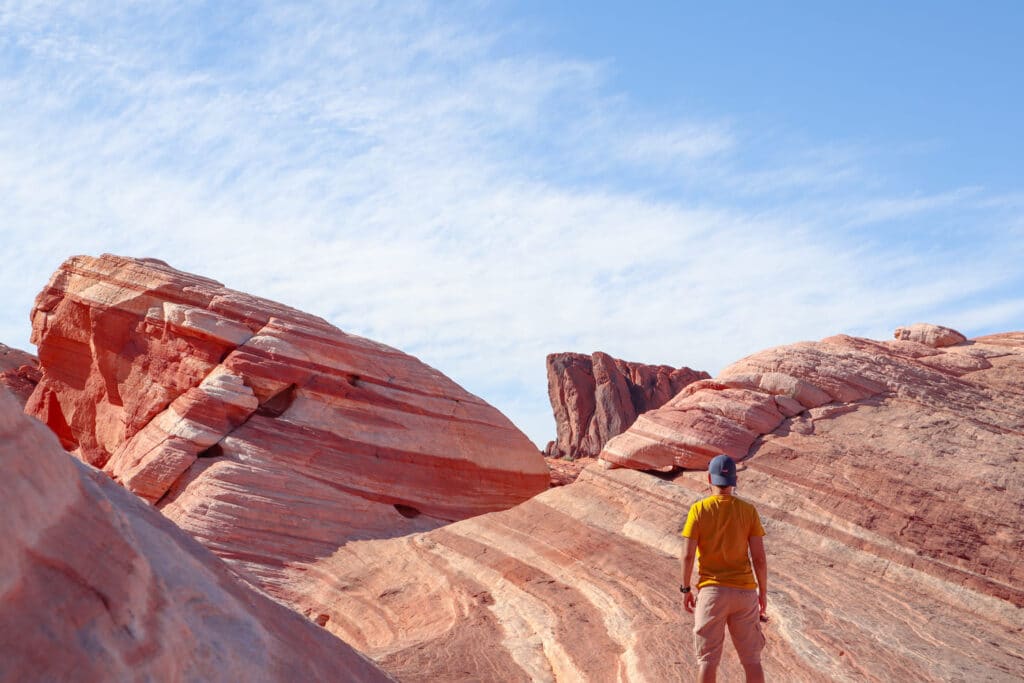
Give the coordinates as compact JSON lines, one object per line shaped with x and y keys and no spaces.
{"x":407,"y":174}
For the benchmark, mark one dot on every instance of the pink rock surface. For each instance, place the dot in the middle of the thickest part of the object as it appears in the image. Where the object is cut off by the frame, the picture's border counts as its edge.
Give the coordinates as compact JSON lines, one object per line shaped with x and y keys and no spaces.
{"x":270,"y":435}
{"x":751,"y":397}
{"x":930,"y":335}
{"x":595,"y":398}
{"x":19,"y":372}
{"x":97,"y":586}
{"x":891,"y":487}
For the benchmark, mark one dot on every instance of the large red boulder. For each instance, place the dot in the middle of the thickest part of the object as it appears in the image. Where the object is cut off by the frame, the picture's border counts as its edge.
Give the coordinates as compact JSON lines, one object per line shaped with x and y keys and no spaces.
{"x":270,"y":435}
{"x":97,"y":586}
{"x":595,"y":398}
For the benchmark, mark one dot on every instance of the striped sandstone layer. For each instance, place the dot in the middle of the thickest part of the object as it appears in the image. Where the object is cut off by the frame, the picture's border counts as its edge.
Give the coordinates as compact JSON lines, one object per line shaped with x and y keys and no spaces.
{"x":755,"y":395}
{"x":97,"y":586}
{"x":267,"y":433}
{"x":893,"y":506}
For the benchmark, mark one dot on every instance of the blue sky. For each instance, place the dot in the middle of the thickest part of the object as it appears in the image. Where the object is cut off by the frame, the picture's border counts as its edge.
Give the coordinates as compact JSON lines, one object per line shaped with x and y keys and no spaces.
{"x":939,"y":77}
{"x":482,"y":183}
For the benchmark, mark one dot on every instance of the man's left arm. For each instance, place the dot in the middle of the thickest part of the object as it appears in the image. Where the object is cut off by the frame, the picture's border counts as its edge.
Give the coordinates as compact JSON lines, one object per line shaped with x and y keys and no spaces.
{"x":689,"y":554}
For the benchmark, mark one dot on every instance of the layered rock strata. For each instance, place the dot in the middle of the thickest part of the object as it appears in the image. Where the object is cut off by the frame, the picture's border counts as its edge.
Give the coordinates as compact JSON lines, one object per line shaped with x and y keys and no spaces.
{"x":19,"y":372}
{"x":595,"y":398}
{"x":892,"y":506}
{"x":97,"y":586}
{"x":754,"y":396}
{"x":270,"y":435}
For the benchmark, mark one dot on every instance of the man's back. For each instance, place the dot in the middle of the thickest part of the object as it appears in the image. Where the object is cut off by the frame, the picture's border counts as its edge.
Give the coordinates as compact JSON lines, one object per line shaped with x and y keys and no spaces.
{"x":723,"y":524}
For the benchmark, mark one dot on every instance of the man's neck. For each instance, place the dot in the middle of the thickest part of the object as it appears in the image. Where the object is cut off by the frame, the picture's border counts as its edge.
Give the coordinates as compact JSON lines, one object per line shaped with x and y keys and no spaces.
{"x":722,"y":490}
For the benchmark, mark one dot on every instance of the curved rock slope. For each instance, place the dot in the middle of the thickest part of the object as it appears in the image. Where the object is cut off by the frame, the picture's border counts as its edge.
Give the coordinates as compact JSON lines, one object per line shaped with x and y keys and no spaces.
{"x":755,"y":395}
{"x":270,"y":435}
{"x":595,"y":398}
{"x":892,"y":495}
{"x":97,"y":586}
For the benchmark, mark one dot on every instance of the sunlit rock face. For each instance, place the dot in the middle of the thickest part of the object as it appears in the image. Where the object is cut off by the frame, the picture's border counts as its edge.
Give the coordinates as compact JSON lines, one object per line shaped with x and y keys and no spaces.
{"x":96,"y":586}
{"x":755,"y":395}
{"x":890,"y":480}
{"x":19,"y":372}
{"x":267,"y":433}
{"x":595,"y":398}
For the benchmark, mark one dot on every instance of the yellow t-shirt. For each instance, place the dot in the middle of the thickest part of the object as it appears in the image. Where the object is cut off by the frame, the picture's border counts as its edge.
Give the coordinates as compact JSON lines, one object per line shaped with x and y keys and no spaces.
{"x":723,"y":526}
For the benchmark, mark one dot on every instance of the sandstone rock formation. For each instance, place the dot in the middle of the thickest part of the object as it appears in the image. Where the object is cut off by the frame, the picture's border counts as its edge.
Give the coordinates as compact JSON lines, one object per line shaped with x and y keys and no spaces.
{"x":753,"y":396}
{"x":19,"y":372}
{"x":597,"y":397}
{"x":268,"y":434}
{"x":935,"y":336}
{"x":96,"y":586}
{"x":890,"y":478}
{"x":565,"y":471}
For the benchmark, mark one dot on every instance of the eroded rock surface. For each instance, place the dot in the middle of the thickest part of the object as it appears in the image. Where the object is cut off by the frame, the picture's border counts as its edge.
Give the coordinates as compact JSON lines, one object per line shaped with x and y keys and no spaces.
{"x":19,"y":372}
{"x":755,"y":395}
{"x":595,"y":398}
{"x":890,"y":480}
{"x":97,"y":586}
{"x":267,"y":433}
{"x":935,"y":336}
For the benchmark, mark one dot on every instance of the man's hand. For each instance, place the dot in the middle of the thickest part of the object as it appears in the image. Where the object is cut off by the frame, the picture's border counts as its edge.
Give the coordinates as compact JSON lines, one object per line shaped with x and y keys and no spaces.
{"x":760,"y":562}
{"x":689,"y":553}
{"x":690,"y":600}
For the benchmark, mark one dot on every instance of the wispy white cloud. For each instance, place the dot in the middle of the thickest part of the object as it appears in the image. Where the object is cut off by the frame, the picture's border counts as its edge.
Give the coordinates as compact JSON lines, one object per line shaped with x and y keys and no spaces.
{"x":875,"y":211}
{"x":401,"y":172}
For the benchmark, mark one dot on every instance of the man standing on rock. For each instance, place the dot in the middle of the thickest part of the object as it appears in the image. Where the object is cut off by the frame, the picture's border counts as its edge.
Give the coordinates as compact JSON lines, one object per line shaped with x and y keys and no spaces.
{"x":725,"y":535}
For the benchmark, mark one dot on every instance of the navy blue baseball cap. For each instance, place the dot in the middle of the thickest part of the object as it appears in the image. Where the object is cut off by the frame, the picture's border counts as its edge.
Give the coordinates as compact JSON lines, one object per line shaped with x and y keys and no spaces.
{"x":722,"y":469}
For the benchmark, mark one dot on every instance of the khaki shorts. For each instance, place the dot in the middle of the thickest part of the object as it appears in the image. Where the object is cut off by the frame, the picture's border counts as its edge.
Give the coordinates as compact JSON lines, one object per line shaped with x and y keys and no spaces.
{"x":737,"y":608}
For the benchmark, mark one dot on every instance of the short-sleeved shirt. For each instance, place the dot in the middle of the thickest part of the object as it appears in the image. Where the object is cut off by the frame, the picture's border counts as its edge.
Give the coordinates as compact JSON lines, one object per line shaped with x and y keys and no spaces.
{"x":723,"y":526}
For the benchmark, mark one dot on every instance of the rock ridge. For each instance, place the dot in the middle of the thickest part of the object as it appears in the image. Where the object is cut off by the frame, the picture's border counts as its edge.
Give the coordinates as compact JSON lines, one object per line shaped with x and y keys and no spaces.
{"x":595,"y":398}
{"x":753,"y":396}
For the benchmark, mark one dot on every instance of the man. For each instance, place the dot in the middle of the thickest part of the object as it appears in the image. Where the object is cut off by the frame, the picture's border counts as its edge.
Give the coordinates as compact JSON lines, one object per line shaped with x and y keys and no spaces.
{"x":724,"y":533}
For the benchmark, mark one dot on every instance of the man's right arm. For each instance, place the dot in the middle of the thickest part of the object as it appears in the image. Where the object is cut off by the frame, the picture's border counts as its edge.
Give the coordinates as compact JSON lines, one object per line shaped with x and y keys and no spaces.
{"x":760,"y":562}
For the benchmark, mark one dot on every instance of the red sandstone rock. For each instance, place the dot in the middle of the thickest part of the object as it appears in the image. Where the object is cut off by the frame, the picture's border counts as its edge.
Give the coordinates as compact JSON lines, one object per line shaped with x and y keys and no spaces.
{"x":935,"y":336}
{"x":270,"y":435}
{"x":707,"y":418}
{"x":891,"y":486}
{"x":565,"y":471}
{"x":597,"y":397}
{"x":888,"y":475}
{"x":97,"y":586}
{"x":19,"y":372}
